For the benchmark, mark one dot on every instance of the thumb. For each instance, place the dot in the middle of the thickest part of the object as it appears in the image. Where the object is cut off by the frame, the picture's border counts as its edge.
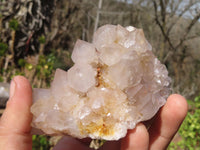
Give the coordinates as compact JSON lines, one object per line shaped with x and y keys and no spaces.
{"x":16,"y":119}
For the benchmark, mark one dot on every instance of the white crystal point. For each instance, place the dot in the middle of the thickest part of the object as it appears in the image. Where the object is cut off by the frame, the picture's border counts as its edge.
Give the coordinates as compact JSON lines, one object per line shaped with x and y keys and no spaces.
{"x":84,"y":52}
{"x":130,"y":28}
{"x":110,"y":57}
{"x":81,"y":77}
{"x":104,"y":36}
{"x":115,"y":83}
{"x":126,"y":72}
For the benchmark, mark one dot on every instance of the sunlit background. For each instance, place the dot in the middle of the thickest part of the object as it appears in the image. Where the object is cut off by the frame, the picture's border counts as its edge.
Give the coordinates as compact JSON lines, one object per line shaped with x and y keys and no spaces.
{"x":37,"y":36}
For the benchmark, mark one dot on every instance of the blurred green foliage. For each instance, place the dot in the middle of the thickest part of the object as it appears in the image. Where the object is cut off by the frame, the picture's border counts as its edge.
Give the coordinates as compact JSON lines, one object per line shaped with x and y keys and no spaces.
{"x":13,"y":24}
{"x":21,"y":62}
{"x":17,"y":72}
{"x":42,"y":39}
{"x":40,"y":142}
{"x":3,"y":48}
{"x":1,"y":79}
{"x":45,"y":67}
{"x":190,"y":129}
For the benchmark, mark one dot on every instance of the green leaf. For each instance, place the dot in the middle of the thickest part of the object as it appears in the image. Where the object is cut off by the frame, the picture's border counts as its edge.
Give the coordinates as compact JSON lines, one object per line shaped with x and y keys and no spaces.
{"x":13,"y":24}
{"x":21,"y":62}
{"x":3,"y":48}
{"x":42,"y":39}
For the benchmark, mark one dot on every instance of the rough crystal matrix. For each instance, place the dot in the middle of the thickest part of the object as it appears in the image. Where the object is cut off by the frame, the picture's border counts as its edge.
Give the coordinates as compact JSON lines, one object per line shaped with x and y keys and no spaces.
{"x":115,"y":83}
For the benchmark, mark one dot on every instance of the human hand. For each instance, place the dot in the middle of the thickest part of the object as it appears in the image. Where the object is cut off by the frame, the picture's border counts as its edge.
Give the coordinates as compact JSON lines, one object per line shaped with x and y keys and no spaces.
{"x":15,"y":125}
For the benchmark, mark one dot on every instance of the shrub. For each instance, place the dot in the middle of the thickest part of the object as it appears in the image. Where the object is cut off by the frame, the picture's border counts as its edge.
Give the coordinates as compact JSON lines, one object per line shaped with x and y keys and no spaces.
{"x":3,"y":48}
{"x":190,"y":129}
{"x":13,"y":24}
{"x":40,"y":142}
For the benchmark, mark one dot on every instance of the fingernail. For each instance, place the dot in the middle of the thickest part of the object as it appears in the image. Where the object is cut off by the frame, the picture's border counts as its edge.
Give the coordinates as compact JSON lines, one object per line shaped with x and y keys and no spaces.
{"x":12,"y":88}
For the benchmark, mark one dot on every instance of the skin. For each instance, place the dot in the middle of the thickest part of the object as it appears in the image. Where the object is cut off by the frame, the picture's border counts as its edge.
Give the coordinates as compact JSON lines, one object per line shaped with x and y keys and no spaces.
{"x":15,"y":125}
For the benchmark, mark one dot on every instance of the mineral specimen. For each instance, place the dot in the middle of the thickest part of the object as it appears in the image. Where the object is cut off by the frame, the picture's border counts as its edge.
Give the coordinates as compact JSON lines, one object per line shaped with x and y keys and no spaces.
{"x":115,"y":83}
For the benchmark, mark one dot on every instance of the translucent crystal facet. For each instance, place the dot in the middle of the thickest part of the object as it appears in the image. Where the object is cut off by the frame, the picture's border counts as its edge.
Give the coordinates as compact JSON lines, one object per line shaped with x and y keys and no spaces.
{"x":115,"y":83}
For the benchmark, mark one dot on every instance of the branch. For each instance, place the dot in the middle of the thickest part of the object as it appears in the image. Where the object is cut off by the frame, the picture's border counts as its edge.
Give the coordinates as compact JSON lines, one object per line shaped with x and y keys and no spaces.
{"x":163,"y":11}
{"x":174,"y":8}
{"x":192,"y":37}
{"x":161,"y":27}
{"x":179,"y":16}
{"x":188,"y":29}
{"x":113,"y":13}
{"x":97,"y":17}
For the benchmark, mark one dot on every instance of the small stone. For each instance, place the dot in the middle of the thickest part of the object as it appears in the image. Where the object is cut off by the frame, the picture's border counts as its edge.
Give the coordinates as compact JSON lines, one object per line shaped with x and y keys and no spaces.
{"x":115,"y":83}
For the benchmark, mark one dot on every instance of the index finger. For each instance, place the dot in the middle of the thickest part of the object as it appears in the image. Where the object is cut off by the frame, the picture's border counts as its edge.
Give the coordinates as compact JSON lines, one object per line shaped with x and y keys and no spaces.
{"x":167,"y":122}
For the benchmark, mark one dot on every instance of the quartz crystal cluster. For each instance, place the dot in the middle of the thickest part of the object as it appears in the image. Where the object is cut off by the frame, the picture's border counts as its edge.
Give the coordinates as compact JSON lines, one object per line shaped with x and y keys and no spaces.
{"x":115,"y":82}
